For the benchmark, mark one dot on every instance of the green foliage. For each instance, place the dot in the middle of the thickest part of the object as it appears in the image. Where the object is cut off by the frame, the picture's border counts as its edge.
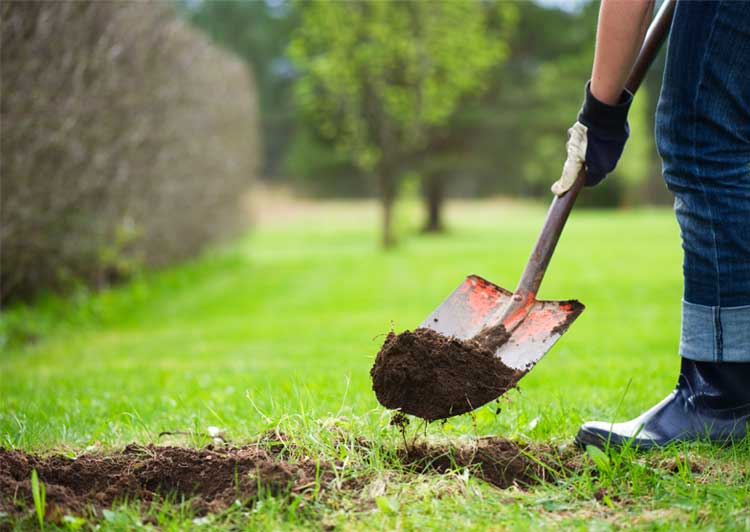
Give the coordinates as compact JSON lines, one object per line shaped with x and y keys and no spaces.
{"x":376,"y":75}
{"x":492,"y":143}
{"x":505,"y":136}
{"x":38,"y":493}
{"x":71,"y":522}
{"x":600,"y":459}
{"x":387,"y":505}
{"x":512,"y":141}
{"x":316,"y":168}
{"x":377,"y":78}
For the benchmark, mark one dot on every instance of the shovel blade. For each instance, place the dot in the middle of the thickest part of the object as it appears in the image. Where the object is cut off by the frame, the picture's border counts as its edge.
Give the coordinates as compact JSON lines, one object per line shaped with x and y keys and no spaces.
{"x":478,"y":304}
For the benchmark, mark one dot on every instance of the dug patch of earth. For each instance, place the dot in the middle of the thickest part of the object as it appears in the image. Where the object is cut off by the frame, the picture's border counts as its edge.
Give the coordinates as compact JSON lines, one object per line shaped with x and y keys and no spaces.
{"x":432,"y":376}
{"x":213,"y":478}
{"x":499,"y":461}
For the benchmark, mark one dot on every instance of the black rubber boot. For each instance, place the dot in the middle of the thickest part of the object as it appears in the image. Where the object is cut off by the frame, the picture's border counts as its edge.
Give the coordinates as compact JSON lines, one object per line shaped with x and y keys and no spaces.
{"x":710,"y":403}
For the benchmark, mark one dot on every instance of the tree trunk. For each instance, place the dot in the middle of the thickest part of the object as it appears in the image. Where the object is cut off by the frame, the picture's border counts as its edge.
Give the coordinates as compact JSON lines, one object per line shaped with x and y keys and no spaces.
{"x":387,"y":198}
{"x":433,"y":189}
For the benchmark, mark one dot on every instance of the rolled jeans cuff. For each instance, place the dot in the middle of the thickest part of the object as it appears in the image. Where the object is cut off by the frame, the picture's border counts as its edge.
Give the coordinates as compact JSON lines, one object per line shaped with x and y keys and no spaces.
{"x":715,"y":334}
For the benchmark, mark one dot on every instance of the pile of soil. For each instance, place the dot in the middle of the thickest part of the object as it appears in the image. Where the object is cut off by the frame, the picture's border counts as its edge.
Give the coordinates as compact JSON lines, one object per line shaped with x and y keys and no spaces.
{"x":432,"y":376}
{"x":214,"y":478}
{"x":499,"y":461}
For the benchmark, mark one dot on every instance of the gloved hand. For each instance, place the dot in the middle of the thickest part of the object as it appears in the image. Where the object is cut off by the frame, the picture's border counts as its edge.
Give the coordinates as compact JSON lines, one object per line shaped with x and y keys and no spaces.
{"x":596,"y":140}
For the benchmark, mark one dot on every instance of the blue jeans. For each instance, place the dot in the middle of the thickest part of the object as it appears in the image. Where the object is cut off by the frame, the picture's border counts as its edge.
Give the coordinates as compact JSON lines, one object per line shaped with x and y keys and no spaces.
{"x":703,"y":137}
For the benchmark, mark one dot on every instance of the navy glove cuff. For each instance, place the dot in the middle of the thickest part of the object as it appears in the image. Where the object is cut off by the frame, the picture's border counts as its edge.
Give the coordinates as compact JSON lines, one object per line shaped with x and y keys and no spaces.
{"x":608,"y":120}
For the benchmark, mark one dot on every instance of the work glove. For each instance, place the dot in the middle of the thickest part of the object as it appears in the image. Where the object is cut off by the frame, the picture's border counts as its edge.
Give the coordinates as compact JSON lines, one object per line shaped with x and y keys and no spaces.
{"x":596,"y":140}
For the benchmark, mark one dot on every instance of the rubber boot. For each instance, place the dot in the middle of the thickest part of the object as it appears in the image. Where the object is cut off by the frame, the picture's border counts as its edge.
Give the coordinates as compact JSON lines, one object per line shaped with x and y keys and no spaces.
{"x":711,"y":402}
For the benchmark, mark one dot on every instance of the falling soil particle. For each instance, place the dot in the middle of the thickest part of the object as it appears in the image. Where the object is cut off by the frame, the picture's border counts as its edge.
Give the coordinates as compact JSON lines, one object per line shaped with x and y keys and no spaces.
{"x":432,"y":376}
{"x":400,"y":420}
{"x":212,"y":478}
{"x":499,"y":461}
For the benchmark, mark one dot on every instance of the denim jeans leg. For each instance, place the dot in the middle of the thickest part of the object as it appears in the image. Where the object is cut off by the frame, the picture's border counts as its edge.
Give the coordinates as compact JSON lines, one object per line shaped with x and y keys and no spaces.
{"x":703,"y":136}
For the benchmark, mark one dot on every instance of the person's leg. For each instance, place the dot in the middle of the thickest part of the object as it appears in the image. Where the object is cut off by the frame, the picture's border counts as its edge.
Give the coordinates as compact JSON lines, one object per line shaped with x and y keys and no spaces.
{"x":703,"y":135}
{"x":703,"y":131}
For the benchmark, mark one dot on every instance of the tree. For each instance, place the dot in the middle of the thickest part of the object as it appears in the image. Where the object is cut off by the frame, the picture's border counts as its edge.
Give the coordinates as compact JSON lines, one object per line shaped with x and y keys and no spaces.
{"x":378,"y":78}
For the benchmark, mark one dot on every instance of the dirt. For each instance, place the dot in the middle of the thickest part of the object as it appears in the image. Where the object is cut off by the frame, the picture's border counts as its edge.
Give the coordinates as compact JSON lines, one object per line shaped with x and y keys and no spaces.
{"x":400,"y":420}
{"x":214,"y":478}
{"x":432,"y":376}
{"x":492,"y":338}
{"x":499,"y":461}
{"x":577,"y":307}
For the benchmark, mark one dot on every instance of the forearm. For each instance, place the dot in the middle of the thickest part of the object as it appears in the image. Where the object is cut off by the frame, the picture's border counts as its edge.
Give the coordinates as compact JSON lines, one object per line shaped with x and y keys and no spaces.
{"x":619,"y":35}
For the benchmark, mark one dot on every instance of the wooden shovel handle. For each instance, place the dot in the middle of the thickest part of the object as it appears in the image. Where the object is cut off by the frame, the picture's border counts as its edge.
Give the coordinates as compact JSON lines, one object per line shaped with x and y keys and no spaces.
{"x":561,"y":206}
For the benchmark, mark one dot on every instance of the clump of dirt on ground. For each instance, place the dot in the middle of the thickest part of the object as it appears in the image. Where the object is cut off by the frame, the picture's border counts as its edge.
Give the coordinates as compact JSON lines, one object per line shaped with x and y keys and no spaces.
{"x":499,"y":461}
{"x":213,"y":477}
{"x":432,"y":376}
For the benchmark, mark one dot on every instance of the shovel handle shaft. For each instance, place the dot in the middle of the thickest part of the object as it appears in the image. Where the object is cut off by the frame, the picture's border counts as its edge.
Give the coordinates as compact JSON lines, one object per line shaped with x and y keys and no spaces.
{"x":557,"y":215}
{"x":561,"y":206}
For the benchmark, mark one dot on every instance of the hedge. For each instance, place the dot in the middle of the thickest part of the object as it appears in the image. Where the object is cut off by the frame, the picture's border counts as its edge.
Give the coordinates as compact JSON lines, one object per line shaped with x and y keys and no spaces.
{"x":128,"y":141}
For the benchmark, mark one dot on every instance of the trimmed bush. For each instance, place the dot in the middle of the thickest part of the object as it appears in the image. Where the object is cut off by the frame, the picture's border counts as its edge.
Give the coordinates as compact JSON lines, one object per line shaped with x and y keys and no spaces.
{"x":128,"y":140}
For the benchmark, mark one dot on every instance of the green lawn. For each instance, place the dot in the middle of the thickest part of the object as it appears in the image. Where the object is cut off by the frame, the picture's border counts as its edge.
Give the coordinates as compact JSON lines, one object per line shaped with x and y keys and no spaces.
{"x":279,"y":329}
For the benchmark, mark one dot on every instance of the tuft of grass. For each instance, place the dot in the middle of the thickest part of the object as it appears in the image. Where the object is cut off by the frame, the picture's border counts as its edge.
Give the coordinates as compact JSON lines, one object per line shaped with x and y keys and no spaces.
{"x":38,"y":493}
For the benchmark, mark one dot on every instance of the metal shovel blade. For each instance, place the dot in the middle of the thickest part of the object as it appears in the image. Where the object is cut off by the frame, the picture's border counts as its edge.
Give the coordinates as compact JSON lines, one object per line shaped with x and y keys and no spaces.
{"x":478,"y":304}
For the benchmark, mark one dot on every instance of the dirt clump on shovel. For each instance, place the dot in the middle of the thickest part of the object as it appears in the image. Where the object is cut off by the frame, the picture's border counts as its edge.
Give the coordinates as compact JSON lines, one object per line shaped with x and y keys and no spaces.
{"x":432,"y":376}
{"x":212,"y":478}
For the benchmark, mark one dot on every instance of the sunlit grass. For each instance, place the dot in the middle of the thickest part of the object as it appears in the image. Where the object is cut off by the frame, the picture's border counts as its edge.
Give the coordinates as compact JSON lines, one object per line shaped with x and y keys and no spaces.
{"x":279,"y":330}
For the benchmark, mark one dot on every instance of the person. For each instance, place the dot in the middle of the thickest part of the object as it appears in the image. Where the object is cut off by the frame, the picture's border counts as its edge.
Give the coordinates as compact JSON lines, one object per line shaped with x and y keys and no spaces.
{"x":703,"y":138}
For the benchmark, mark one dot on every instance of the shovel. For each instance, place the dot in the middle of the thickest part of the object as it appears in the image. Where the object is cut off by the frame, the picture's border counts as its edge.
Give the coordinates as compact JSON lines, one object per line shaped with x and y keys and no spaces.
{"x":478,"y":305}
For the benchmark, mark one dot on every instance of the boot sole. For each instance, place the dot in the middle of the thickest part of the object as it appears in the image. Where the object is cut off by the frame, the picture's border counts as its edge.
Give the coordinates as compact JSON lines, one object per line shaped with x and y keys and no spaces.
{"x":612,"y":441}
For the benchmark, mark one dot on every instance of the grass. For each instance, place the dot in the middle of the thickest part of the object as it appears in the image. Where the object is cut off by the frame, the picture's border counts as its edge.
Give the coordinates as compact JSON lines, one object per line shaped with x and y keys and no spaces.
{"x":278,"y":331}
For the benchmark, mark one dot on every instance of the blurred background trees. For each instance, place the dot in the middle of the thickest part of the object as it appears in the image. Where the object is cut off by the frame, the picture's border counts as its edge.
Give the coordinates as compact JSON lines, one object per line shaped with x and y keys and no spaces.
{"x":507,"y":137}
{"x":258,"y":32}
{"x":128,"y":138}
{"x":378,"y":79}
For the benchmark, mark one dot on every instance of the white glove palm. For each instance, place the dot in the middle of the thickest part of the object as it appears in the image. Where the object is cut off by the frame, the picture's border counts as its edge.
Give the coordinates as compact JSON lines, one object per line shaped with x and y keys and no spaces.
{"x":576,"y":147}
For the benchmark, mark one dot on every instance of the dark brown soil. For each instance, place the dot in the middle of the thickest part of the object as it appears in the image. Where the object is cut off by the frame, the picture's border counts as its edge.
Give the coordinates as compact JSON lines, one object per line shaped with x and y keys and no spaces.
{"x":492,"y":338}
{"x":432,"y":376}
{"x":499,"y":461}
{"x":214,"y":478}
{"x":577,"y":307}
